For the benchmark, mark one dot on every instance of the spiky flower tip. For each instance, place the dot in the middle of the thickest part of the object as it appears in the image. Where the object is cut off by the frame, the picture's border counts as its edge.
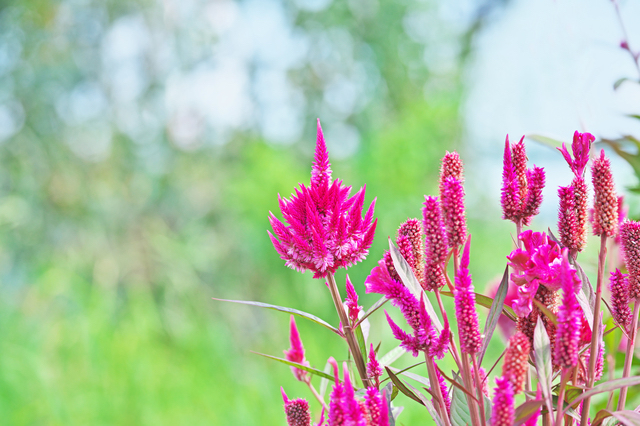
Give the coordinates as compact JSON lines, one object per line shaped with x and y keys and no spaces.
{"x":410,"y":241}
{"x":516,"y":360}
{"x":435,"y":243}
{"x":296,"y":352}
{"x":503,"y":413}
{"x":352,"y":301}
{"x":374,"y":370}
{"x":521,"y":187}
{"x":324,"y":227}
{"x":620,"y":298}
{"x":605,"y":203}
{"x":376,"y":410}
{"x":465,"y":301}
{"x":630,"y":239}
{"x":297,"y":411}
{"x":451,"y":166}
{"x":567,"y":220}
{"x":580,"y":147}
{"x":453,"y":213}
{"x":567,"y":341}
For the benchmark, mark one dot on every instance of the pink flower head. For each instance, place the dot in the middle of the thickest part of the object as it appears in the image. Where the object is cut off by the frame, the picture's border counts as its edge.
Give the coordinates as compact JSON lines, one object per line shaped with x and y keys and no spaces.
{"x":623,"y":212}
{"x":605,"y":203}
{"x":352,"y":301}
{"x":580,"y":147}
{"x":465,"y":301}
{"x":567,"y":341}
{"x":516,"y":360}
{"x":377,"y":412}
{"x":297,"y":411}
{"x":296,"y":353}
{"x":538,"y":263}
{"x":325,"y":230}
{"x":521,"y":187}
{"x":451,"y":166}
{"x":374,"y":370}
{"x":435,"y":244}
{"x":630,"y":238}
{"x":453,"y":213}
{"x":567,"y":220}
{"x":411,"y":245}
{"x":620,"y":298}
{"x":503,"y":413}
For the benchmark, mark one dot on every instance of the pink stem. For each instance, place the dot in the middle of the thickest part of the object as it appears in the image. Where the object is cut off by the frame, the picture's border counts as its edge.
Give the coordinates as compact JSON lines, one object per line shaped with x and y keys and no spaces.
{"x":628,"y":360}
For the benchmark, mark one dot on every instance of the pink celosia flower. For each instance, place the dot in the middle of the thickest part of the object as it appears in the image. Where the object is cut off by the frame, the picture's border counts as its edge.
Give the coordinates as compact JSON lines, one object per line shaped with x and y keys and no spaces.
{"x":605,"y":203}
{"x":623,"y":211}
{"x":377,"y":413}
{"x":352,"y":301}
{"x":410,"y":235}
{"x":581,"y":196}
{"x":516,"y":360}
{"x":537,"y":263}
{"x":630,"y":238}
{"x":568,"y":231}
{"x":296,"y":353}
{"x":580,"y":147}
{"x":451,"y":166}
{"x":569,"y":317}
{"x":503,"y":413}
{"x":465,"y":298}
{"x":325,"y":230}
{"x":521,"y":187}
{"x":453,"y":213}
{"x":297,"y":411}
{"x":374,"y":370}
{"x":620,"y":298}
{"x":482,"y":373}
{"x":435,"y":244}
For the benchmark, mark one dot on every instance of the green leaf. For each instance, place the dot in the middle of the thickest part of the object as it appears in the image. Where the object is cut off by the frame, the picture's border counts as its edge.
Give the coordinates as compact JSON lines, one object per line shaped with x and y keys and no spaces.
{"x":552,"y":317}
{"x":542,"y":350}
{"x":619,"y":82}
{"x":526,"y":410}
{"x":545,"y":140}
{"x":361,"y":342}
{"x":600,"y":417}
{"x":411,"y":282}
{"x":390,"y":393}
{"x":401,"y":387}
{"x":494,"y":313}
{"x":372,"y":309}
{"x":287,"y":310}
{"x":324,"y":382}
{"x":460,"y":415}
{"x":427,"y":403}
{"x":391,"y":356}
{"x":619,"y":146}
{"x":297,"y":365}
{"x":418,"y":378}
{"x":486,"y":301}
{"x":608,"y":387}
{"x":627,"y":418}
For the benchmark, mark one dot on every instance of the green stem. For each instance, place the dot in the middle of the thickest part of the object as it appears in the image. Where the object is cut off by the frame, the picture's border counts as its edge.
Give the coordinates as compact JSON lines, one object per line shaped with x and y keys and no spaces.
{"x":476,"y":372}
{"x":563,"y":385}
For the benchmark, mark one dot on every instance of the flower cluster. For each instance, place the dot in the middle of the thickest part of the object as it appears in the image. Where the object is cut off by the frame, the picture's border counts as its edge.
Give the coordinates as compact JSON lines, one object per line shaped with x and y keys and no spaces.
{"x":465,"y":299}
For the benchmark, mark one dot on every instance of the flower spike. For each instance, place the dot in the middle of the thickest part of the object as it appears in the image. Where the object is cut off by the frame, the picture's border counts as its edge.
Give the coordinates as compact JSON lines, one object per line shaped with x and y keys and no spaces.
{"x":297,"y":411}
{"x":296,"y":353}
{"x":630,"y":237}
{"x":503,"y":404}
{"x":620,"y":299}
{"x":605,"y":204}
{"x":516,"y":361}
{"x":453,"y":212}
{"x":374,"y":370}
{"x":352,"y":301}
{"x":470,"y":338}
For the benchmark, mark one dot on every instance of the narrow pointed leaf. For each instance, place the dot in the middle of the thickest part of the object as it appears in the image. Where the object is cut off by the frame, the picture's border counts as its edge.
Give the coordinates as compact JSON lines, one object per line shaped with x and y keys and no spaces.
{"x":460,"y":415}
{"x":372,"y":309}
{"x":411,"y":282}
{"x":418,"y":378}
{"x":391,"y":356}
{"x":287,"y":310}
{"x":494,"y":313}
{"x":627,"y":418}
{"x":362,"y":343}
{"x":600,"y":417}
{"x":324,"y":382}
{"x":545,"y":140}
{"x":552,"y":317}
{"x":297,"y":365}
{"x":427,"y":403}
{"x":542,"y":350}
{"x":401,"y":387}
{"x":527,"y":409}
{"x":608,"y":387}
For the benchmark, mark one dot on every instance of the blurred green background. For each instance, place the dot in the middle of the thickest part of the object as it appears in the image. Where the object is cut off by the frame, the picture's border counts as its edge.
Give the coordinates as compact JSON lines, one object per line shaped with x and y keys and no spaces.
{"x":142,"y":145}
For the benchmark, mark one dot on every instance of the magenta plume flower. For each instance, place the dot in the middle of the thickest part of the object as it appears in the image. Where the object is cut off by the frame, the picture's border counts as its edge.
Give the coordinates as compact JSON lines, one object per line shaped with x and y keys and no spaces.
{"x":324,"y":227}
{"x":571,"y":236}
{"x":375,"y":403}
{"x":521,"y":187}
{"x":411,"y":244}
{"x":297,"y":411}
{"x":435,"y":244}
{"x":465,"y":301}
{"x":630,"y":239}
{"x":620,"y":298}
{"x":605,"y":203}
{"x":451,"y":166}
{"x":352,"y":301}
{"x":580,"y":147}
{"x":296,"y":352}
{"x":453,"y":213}
{"x":503,"y":413}
{"x":374,"y":369}
{"x":516,"y":361}
{"x":567,"y":341}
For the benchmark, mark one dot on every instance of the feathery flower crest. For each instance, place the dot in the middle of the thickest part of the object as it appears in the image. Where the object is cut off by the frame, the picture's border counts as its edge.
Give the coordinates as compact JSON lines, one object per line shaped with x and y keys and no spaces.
{"x":620,"y":298}
{"x":374,"y":370}
{"x":324,"y":227}
{"x":503,"y":413}
{"x":580,"y":147}
{"x":465,"y":298}
{"x":605,"y":203}
{"x":297,"y":411}
{"x":521,"y":187}
{"x":296,"y":353}
{"x":630,"y":239}
{"x":567,"y":341}
{"x":435,"y":243}
{"x":536,"y":264}
{"x":453,"y":213}
{"x":516,"y":360}
{"x":352,"y":301}
{"x":451,"y":166}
